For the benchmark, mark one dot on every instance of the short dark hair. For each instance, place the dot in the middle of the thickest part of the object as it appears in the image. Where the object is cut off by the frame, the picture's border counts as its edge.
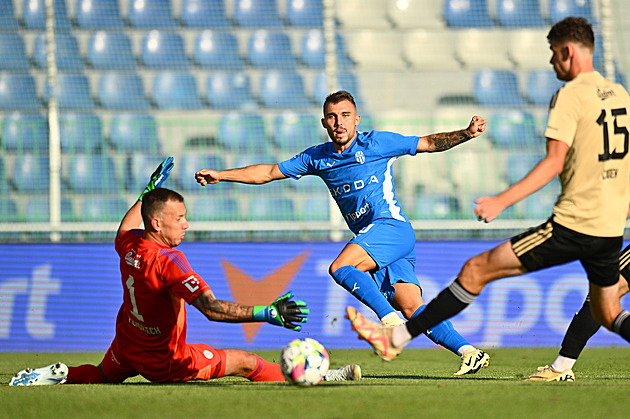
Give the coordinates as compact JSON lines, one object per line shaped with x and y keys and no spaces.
{"x":155,"y":200}
{"x":572,"y":29}
{"x":339,"y":96}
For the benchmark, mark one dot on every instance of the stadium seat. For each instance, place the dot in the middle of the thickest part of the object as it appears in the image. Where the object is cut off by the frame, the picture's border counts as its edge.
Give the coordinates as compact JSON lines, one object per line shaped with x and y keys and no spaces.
{"x":175,"y":91}
{"x":529,"y":48}
{"x":415,"y":14}
{"x":214,"y":207}
{"x":496,"y":88}
{"x":26,"y":168}
{"x":519,"y":165}
{"x":132,"y":133}
{"x":375,"y":50}
{"x":270,"y":50}
{"x":489,"y":173}
{"x":203,"y":14}
{"x":297,"y":131}
{"x":283,"y":90}
{"x":72,"y":92}
{"x":519,"y":13}
{"x":150,"y":14}
{"x":190,"y":163}
{"x":110,"y":51}
{"x":100,"y":209}
{"x":25,"y":133}
{"x":514,"y":130}
{"x":541,"y":86}
{"x":139,"y":167}
{"x":305,"y":13}
{"x":362,"y":14}
{"x":67,"y":55}
{"x":163,"y":50}
{"x":256,"y":13}
{"x":540,"y":204}
{"x":8,"y":210}
{"x":122,"y":91}
{"x":13,"y":53}
{"x":217,"y":50}
{"x":266,"y":208}
{"x":495,"y":45}
{"x":435,"y":207}
{"x":315,"y":207}
{"x":8,"y":22}
{"x":345,"y":81}
{"x":37,"y":209}
{"x":92,"y":173}
{"x":313,"y":50}
{"x":242,"y":131}
{"x":309,"y":184}
{"x":98,"y":14}
{"x":559,"y":9}
{"x":430,"y":49}
{"x":34,"y":15}
{"x":18,"y":92}
{"x":229,"y":91}
{"x":468,"y":13}
{"x":80,"y":132}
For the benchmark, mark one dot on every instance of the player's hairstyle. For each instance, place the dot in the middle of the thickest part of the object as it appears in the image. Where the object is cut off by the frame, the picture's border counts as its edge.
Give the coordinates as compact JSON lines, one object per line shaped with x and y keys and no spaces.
{"x":573,"y":29}
{"x":339,"y":96}
{"x":154,"y":201}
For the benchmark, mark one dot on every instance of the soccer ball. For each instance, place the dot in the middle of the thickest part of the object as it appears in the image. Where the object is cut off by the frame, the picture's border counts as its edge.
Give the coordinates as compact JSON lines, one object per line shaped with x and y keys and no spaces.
{"x":304,"y":362}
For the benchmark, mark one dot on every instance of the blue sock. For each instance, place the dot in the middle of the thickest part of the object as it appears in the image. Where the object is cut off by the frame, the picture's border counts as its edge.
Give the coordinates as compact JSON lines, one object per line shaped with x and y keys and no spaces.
{"x":444,"y":334}
{"x":363,"y":287}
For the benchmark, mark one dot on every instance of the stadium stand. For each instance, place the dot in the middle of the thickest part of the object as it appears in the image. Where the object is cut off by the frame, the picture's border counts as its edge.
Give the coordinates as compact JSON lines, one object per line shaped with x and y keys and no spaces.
{"x":34,"y":15}
{"x":150,"y":14}
{"x":494,"y":43}
{"x":415,"y":14}
{"x":100,"y":208}
{"x":496,"y":88}
{"x":72,"y":92}
{"x":313,"y":50}
{"x":203,"y":14}
{"x":469,"y":13}
{"x":268,"y":49}
{"x":256,"y":13}
{"x":435,"y":207}
{"x":362,"y":14}
{"x":375,"y":50}
{"x":163,"y":51}
{"x":89,"y":173}
{"x":37,"y":209}
{"x":122,"y":91}
{"x":242,"y":131}
{"x":24,"y":133}
{"x":315,"y":207}
{"x":519,"y":13}
{"x":217,"y":51}
{"x":228,"y":90}
{"x":514,"y":130}
{"x":80,"y":133}
{"x":175,"y":90}
{"x":305,"y":13}
{"x":98,"y":14}
{"x":131,"y":132}
{"x":29,"y":166}
{"x":13,"y":53}
{"x":283,"y":90}
{"x":110,"y":51}
{"x":559,"y":9}
{"x":541,"y":86}
{"x":433,"y":49}
{"x":18,"y":92}
{"x":271,"y":208}
{"x":8,"y":22}
{"x":67,"y":55}
{"x":296,"y":131}
{"x":529,"y":49}
{"x":189,"y":163}
{"x":214,"y":207}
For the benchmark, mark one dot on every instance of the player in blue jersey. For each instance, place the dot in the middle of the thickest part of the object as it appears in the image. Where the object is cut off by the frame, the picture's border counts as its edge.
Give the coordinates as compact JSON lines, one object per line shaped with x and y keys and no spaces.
{"x":377,"y":265}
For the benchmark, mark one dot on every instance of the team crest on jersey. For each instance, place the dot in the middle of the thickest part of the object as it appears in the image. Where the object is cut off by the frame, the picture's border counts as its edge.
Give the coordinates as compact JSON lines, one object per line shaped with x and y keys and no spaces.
{"x":133,"y":259}
{"x":360,"y":157}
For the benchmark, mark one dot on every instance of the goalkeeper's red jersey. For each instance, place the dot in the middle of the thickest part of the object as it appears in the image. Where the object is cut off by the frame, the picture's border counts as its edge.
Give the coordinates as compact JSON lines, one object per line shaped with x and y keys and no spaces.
{"x":157,"y":281}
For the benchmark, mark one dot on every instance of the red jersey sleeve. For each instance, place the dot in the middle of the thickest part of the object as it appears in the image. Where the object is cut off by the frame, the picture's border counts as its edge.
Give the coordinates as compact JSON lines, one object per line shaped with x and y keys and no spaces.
{"x":179,"y":277}
{"x":124,"y":238}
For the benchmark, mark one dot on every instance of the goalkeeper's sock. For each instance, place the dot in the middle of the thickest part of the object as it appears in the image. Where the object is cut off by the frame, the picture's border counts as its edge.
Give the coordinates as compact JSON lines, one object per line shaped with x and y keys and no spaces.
{"x":86,"y":374}
{"x":265,"y":371}
{"x":444,"y":334}
{"x":363,"y":287}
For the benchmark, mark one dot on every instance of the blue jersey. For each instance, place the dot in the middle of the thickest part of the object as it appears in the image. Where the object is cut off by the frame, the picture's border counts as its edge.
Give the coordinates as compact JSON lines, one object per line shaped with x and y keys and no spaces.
{"x":360,"y":179}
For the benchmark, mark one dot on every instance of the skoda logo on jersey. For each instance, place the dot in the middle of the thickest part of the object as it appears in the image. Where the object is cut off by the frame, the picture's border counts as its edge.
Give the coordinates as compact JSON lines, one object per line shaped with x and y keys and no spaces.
{"x":360,"y":157}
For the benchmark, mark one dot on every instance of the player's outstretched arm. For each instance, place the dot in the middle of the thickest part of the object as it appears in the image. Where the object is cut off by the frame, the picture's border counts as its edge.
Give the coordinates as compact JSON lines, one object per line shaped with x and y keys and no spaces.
{"x":447,"y":140}
{"x":256,"y":174}
{"x":282,"y":312}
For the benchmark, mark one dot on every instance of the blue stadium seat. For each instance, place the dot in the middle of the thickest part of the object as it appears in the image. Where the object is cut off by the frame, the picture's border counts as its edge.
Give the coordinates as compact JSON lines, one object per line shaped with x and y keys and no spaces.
{"x":132,"y":133}
{"x":559,"y":9}
{"x":98,"y":14}
{"x":4,"y":179}
{"x":297,"y":131}
{"x":88,"y":173}
{"x":541,"y":86}
{"x":239,"y":131}
{"x":8,"y":22}
{"x":80,"y":132}
{"x":305,"y":13}
{"x":37,"y":209}
{"x":122,"y":91}
{"x":8,"y":210}
{"x":315,"y":207}
{"x":514,"y":130}
{"x":283,"y":90}
{"x":435,"y":207}
{"x":67,"y":55}
{"x":253,"y":13}
{"x":540,"y":204}
{"x":25,"y":133}
{"x":519,"y":165}
{"x":190,"y":163}
{"x":163,"y":50}
{"x":270,"y":50}
{"x":150,"y":14}
{"x":176,"y":91}
{"x":217,"y":50}
{"x":497,"y":88}
{"x":100,"y":208}
{"x":138,"y":169}
{"x":519,"y":13}
{"x":13,"y":53}
{"x":229,"y":91}
{"x":204,"y":14}
{"x":73,"y":92}
{"x":313,"y":50}
{"x":266,"y":208}
{"x":345,"y":81}
{"x":110,"y":51}
{"x":34,"y":15}
{"x":214,"y":207}
{"x":27,"y":167}
{"x":18,"y":92}
{"x":468,"y":13}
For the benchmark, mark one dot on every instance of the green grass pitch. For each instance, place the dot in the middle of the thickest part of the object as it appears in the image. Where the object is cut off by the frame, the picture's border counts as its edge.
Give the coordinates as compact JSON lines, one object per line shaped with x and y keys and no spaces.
{"x":417,"y":384}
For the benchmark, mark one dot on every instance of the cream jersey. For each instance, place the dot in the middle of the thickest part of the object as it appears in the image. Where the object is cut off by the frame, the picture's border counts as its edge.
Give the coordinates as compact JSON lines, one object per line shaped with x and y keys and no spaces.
{"x":590,"y":115}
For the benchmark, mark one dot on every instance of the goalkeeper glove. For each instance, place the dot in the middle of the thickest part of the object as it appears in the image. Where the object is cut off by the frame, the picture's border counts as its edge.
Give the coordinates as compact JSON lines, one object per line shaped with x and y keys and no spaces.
{"x":283,"y":312}
{"x":158,"y":177}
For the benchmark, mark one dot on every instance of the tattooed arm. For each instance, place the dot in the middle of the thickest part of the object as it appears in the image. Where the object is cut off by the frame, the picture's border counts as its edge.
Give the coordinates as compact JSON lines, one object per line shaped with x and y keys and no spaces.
{"x":222,"y":311}
{"x":446,"y":140}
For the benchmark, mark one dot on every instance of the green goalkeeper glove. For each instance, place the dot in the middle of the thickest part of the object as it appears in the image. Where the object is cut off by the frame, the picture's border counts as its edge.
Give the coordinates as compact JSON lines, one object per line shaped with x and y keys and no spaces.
{"x":283,"y":312}
{"x":158,"y":177}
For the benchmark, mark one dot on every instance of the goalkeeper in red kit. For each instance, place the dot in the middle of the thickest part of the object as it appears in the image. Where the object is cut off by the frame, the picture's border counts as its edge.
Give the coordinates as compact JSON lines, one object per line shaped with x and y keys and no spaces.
{"x":151,"y":324}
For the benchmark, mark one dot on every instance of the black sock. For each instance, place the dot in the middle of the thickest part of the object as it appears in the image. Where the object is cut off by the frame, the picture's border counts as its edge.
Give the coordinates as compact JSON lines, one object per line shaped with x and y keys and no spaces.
{"x":448,"y":303}
{"x":582,"y":327}
{"x":621,"y":325}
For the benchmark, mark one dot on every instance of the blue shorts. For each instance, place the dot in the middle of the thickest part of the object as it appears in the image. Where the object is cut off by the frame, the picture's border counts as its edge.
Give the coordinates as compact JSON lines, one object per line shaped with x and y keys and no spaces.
{"x":391,"y":244}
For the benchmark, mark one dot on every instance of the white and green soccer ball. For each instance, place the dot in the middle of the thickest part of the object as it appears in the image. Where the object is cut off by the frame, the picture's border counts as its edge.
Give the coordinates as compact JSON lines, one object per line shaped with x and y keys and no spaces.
{"x":304,"y":362}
